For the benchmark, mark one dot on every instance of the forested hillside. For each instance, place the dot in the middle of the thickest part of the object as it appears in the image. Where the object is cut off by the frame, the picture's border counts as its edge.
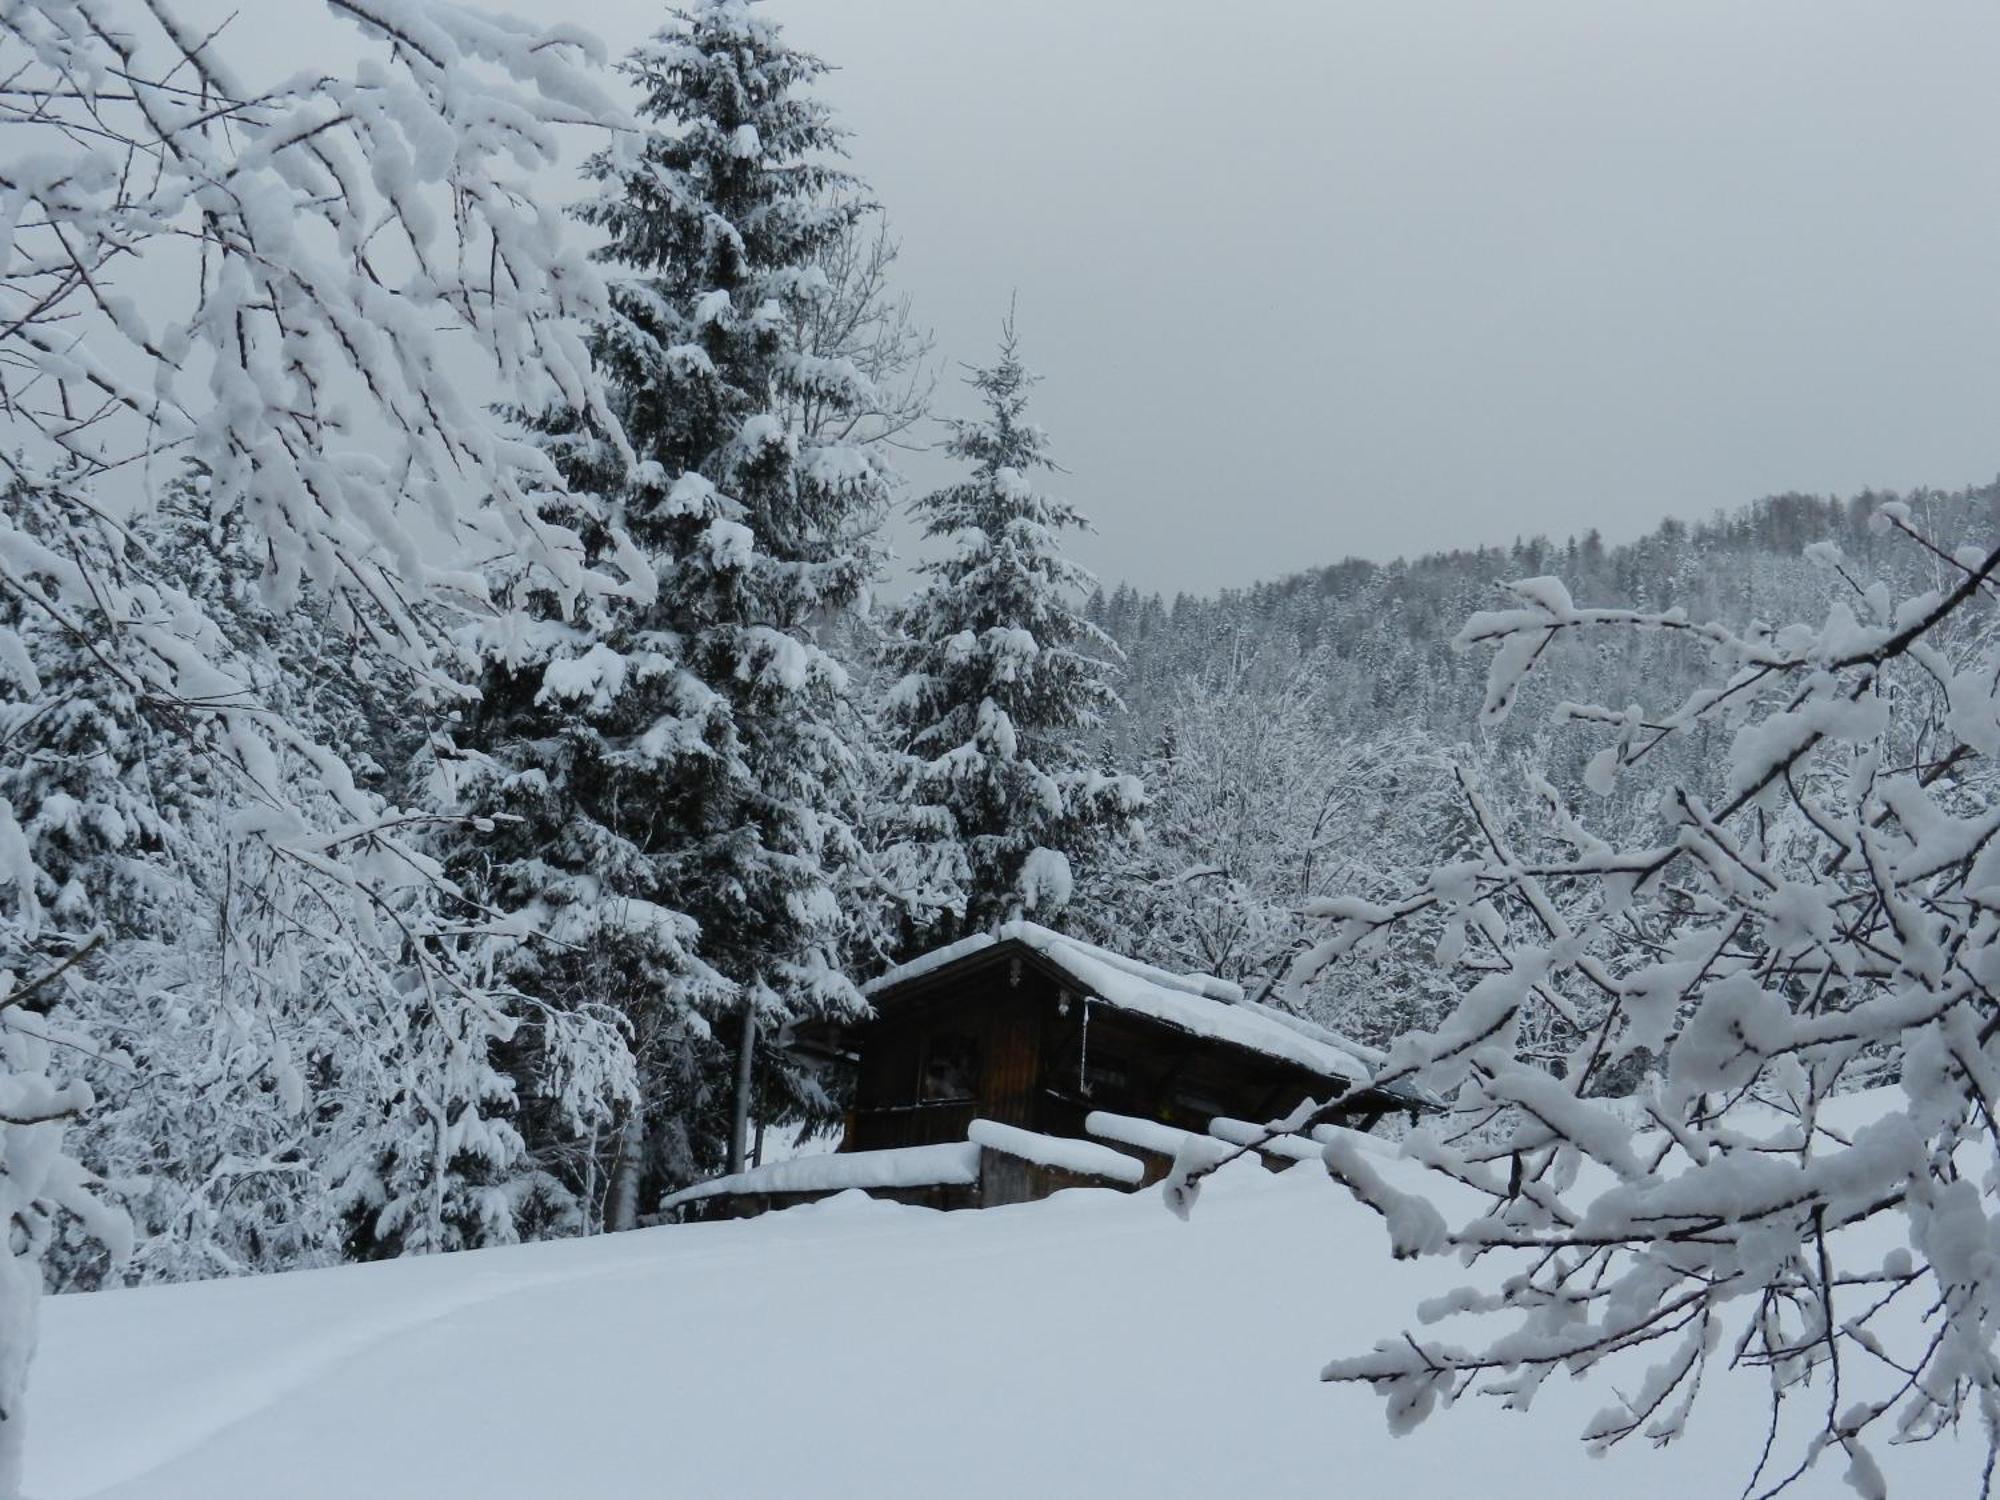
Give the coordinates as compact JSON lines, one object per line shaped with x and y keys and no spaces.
{"x":1303,"y":738}
{"x":1376,"y":637}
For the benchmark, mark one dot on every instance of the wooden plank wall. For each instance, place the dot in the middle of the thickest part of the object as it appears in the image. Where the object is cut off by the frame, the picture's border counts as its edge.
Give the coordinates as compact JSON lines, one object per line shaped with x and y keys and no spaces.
{"x":1000,"y":1009}
{"x":1012,"y":1041}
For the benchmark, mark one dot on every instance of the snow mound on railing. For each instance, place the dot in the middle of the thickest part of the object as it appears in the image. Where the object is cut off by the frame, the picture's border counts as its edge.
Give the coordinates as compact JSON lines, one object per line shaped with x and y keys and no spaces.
{"x":954,"y":1163}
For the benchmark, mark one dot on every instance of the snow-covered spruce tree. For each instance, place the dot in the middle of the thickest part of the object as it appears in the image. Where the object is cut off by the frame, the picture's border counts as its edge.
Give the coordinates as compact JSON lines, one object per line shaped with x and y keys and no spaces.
{"x":297,"y":357}
{"x":911,"y":870}
{"x":683,"y":769}
{"x":999,"y":680}
{"x":1827,"y":922}
{"x":219,"y":1017}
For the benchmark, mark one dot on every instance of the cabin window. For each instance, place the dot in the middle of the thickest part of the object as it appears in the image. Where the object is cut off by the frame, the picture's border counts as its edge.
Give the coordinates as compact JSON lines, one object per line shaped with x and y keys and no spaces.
{"x":1199,"y":1104}
{"x":1106,"y":1074}
{"x":951,"y":1067}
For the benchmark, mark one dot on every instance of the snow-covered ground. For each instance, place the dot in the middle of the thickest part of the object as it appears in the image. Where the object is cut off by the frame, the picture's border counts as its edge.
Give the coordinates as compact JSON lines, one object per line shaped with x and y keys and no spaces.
{"x":1092,"y":1345}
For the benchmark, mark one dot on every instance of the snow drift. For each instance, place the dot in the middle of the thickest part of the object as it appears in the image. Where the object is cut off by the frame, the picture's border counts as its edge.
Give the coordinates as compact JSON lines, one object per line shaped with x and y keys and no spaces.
{"x":1090,"y":1345}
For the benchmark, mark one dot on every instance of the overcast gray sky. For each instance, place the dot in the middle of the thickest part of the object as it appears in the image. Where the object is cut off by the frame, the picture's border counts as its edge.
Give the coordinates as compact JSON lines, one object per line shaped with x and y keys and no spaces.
{"x":1310,"y":278}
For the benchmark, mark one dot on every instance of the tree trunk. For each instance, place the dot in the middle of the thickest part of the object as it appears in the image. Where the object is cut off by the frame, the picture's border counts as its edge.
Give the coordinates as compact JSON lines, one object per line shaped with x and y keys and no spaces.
{"x":739,"y":1127}
{"x":623,"y":1210}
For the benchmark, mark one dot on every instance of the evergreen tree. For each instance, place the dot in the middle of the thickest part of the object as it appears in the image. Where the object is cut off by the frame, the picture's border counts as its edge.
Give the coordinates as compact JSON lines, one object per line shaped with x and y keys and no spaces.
{"x":1002,"y":680}
{"x":682,"y":769}
{"x":221,"y":982}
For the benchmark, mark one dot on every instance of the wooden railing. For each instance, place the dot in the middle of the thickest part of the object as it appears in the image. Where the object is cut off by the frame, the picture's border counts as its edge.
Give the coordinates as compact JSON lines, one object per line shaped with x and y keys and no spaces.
{"x":923,"y":1124}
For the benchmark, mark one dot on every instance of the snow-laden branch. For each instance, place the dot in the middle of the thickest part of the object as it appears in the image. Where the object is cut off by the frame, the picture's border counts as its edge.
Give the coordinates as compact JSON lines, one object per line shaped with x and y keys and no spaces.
{"x":1693,"y":1181}
{"x":306,"y":291}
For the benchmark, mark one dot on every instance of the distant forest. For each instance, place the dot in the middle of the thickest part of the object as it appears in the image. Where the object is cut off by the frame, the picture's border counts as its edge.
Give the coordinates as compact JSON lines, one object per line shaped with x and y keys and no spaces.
{"x":1300,"y":738}
{"x":1377,"y":636}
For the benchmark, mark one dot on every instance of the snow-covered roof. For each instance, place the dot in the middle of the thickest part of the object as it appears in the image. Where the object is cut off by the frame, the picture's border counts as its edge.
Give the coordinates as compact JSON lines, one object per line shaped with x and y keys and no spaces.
{"x":1197,"y":1003}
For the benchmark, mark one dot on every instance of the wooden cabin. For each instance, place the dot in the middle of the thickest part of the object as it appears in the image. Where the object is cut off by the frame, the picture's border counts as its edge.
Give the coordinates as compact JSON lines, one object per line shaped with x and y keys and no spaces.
{"x":1011,"y":1064}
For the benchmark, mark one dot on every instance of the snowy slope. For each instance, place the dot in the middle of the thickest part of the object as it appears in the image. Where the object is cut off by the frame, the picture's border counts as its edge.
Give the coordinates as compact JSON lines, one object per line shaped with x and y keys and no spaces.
{"x":1091,"y":1345}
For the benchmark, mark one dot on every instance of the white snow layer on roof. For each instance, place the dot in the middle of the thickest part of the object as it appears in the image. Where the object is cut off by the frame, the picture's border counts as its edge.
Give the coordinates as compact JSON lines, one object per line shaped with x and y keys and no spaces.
{"x":1197,"y":1003}
{"x":925,"y":963}
{"x":1374,"y":1057}
{"x":1206,"y":985}
{"x":1064,"y":1153}
{"x":955,"y":1162}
